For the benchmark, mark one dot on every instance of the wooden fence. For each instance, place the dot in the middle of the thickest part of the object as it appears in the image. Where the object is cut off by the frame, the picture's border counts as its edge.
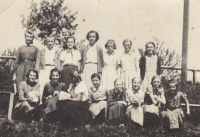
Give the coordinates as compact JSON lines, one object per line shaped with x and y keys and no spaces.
{"x":10,"y":60}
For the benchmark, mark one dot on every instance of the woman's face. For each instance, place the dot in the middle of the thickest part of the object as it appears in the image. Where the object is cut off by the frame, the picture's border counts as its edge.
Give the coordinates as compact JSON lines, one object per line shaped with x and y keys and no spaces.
{"x":92,"y":38}
{"x":32,"y":76}
{"x":150,"y":48}
{"x":70,"y":43}
{"x":110,"y":47}
{"x":29,"y":38}
{"x":50,"y":42}
{"x":136,"y":84}
{"x":156,"y":82}
{"x":55,"y":77}
{"x":96,"y":82}
{"x":172,"y":88}
{"x":127,"y":46}
{"x":118,"y":85}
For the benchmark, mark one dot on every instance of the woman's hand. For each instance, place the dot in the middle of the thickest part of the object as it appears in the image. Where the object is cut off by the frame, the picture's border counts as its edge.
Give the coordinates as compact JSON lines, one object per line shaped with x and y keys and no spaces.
{"x":149,"y":90}
{"x":122,"y":102}
{"x":30,"y":99}
{"x":49,"y":97}
{"x":55,"y":93}
{"x":38,"y":95}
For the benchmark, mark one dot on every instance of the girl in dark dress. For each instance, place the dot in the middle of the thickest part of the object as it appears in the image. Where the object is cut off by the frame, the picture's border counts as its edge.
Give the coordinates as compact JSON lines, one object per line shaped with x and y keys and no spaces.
{"x":154,"y":98}
{"x":51,"y":92}
{"x":75,"y":109}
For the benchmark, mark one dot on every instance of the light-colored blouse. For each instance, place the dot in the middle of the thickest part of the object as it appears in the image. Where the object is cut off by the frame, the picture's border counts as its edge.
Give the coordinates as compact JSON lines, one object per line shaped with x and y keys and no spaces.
{"x":70,"y":58}
{"x":135,"y":96}
{"x":110,"y":60}
{"x":97,"y":94}
{"x":81,"y":88}
{"x":91,"y":55}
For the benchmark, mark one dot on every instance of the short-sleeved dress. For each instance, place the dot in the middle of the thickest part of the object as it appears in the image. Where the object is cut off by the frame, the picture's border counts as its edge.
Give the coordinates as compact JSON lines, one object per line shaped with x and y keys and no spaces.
{"x":98,"y":100}
{"x":109,"y":73}
{"x":70,"y":61}
{"x":26,"y":59}
{"x":116,"y":111}
{"x":129,"y":68}
{"x":173,"y":113}
{"x":75,"y":112}
{"x":134,"y":112}
{"x":49,"y":88}
{"x":23,"y":106}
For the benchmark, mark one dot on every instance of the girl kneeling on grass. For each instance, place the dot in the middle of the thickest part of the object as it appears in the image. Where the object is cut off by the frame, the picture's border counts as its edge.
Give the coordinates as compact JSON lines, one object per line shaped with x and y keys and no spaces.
{"x":135,"y":98}
{"x":154,"y":98}
{"x":173,"y":114}
{"x":98,"y":99}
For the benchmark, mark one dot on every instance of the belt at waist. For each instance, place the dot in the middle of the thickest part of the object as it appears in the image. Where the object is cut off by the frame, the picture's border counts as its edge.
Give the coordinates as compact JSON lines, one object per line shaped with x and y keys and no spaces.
{"x":49,"y":65}
{"x":27,"y":61}
{"x":97,"y":101}
{"x":90,"y":63}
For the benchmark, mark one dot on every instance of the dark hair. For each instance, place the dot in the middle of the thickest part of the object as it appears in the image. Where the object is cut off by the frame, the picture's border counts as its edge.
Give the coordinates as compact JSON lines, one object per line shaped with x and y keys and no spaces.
{"x":109,"y":41}
{"x":127,"y":40}
{"x":93,"y":31}
{"x":96,"y":75}
{"x":55,"y":70}
{"x":145,"y":53}
{"x":75,"y":74}
{"x":65,"y":42}
{"x":34,"y":71}
{"x":153,"y":78}
{"x":176,"y":84}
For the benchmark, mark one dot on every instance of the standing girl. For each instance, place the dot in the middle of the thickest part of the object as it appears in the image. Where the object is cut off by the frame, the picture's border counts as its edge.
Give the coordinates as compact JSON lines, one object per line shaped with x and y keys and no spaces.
{"x":154,"y":98}
{"x":91,"y":58}
{"x":70,"y":60}
{"x":173,"y":113}
{"x":150,"y":65}
{"x":128,"y":65}
{"x":110,"y":61}
{"x":97,"y":98}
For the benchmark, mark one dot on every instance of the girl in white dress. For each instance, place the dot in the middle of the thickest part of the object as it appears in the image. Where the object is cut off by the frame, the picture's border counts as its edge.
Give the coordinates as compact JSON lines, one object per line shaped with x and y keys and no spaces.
{"x":110,"y":64}
{"x":128,"y":65}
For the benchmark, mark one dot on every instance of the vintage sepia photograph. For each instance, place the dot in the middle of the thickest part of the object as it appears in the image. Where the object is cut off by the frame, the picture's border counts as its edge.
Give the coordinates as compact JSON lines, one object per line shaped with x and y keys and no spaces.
{"x":97,"y":68}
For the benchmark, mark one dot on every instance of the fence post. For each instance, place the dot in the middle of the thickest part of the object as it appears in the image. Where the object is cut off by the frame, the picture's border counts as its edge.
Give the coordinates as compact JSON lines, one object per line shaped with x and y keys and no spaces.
{"x":194,"y":76}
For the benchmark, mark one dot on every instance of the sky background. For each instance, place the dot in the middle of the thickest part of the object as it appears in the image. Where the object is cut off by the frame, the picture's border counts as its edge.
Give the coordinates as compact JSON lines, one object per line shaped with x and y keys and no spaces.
{"x":139,"y":20}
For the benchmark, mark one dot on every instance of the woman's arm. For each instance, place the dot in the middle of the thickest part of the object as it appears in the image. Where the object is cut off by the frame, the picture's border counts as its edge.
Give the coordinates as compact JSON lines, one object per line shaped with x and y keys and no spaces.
{"x":78,"y":98}
{"x":119,"y":70}
{"x":21,"y":93}
{"x":161,"y":99}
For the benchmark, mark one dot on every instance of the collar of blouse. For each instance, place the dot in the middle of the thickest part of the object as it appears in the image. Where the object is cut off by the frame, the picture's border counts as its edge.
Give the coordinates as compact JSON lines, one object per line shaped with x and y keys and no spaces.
{"x":96,"y":89}
{"x":110,"y":53}
{"x":130,"y":52}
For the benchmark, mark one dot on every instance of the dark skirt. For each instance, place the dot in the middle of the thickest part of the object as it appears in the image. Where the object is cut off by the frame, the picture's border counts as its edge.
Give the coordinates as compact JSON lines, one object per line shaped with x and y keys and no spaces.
{"x":116,"y":114}
{"x":151,"y":120}
{"x":74,"y":113}
{"x":65,"y":74}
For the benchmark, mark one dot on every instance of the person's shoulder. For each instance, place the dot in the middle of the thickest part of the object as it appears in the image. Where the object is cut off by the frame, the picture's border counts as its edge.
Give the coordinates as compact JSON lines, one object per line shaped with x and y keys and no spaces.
{"x":23,"y":83}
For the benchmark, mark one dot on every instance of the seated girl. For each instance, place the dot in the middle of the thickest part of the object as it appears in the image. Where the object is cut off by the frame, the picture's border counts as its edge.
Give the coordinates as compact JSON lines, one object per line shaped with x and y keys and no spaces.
{"x":28,"y":97}
{"x":117,"y":104}
{"x":154,"y":98}
{"x":75,"y":108}
{"x":173,"y":113}
{"x":98,"y":99}
{"x":135,"y":98}
{"x":51,"y":90}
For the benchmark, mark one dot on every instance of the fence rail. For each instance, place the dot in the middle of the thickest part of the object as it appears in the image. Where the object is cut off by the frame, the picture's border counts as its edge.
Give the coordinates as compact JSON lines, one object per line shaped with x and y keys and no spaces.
{"x":194,"y":71}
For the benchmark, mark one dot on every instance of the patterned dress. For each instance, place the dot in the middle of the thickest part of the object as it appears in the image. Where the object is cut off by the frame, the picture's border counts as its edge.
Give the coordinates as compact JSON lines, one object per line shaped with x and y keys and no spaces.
{"x":135,"y":113}
{"x":173,"y":111}
{"x":150,"y":71}
{"x":116,"y":111}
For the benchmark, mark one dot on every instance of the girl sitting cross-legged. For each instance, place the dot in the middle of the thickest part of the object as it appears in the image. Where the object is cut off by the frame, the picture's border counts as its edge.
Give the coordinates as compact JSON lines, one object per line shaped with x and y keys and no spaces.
{"x":173,"y":114}
{"x":98,"y":99}
{"x":135,"y":98}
